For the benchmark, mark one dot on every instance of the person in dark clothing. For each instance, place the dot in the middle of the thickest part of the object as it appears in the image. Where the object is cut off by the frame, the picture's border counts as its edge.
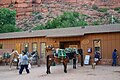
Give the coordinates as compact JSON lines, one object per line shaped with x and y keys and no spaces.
{"x":80,"y":51}
{"x":97,"y":57}
{"x":114,"y":57}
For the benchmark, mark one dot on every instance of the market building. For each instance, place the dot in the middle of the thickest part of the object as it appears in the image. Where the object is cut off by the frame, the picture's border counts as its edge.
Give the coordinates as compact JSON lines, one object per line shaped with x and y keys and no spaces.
{"x":103,"y":38}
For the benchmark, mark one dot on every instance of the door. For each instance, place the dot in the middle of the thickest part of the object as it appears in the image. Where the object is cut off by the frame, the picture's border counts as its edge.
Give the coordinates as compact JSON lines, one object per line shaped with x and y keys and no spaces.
{"x":71,"y":44}
{"x":43,"y":52}
{"x":26,"y":47}
{"x":97,"y":46}
{"x":18,"y":47}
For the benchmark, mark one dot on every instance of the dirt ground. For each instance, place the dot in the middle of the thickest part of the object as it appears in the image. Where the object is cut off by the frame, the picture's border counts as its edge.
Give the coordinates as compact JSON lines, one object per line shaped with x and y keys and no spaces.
{"x":101,"y":72}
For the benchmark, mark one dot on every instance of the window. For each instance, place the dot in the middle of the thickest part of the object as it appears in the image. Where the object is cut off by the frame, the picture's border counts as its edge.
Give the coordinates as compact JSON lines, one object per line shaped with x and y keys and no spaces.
{"x":97,"y":46}
{"x":1,"y":46}
{"x":42,"y":49}
{"x":34,"y":46}
{"x":26,"y":47}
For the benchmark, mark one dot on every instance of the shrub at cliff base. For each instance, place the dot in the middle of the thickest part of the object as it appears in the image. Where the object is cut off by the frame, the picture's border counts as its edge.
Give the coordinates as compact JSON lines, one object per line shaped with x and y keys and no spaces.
{"x":68,"y":19}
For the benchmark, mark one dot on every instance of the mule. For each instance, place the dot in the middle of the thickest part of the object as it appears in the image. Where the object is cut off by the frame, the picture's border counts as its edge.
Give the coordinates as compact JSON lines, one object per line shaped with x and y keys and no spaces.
{"x":14,"y":58}
{"x":63,"y":57}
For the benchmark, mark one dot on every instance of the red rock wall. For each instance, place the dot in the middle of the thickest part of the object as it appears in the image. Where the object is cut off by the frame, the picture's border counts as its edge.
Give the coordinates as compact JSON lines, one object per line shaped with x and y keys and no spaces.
{"x":108,"y":3}
{"x":25,"y":7}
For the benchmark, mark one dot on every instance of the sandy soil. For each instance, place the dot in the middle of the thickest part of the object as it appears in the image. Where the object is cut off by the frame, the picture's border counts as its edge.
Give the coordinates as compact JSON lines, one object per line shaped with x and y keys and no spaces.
{"x":101,"y":72}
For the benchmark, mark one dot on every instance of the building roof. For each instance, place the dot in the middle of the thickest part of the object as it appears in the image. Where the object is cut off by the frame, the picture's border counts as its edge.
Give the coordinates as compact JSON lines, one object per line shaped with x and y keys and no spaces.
{"x":64,"y":32}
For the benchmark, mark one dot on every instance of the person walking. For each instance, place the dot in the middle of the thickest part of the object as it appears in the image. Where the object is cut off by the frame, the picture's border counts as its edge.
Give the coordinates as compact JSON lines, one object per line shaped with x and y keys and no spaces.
{"x":114,"y":57}
{"x":24,"y":63}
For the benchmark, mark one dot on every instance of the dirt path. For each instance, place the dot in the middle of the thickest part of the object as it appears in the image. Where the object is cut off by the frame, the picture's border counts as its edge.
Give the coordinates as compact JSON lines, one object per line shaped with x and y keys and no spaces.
{"x":81,"y":73}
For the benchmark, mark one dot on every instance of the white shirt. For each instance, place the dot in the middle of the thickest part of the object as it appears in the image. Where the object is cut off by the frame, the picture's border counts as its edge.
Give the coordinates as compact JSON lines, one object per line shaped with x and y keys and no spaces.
{"x":20,"y":57}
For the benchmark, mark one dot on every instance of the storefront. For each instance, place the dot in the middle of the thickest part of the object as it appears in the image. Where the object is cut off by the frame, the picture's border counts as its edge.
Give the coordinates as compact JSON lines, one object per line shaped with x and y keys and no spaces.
{"x":103,"y":38}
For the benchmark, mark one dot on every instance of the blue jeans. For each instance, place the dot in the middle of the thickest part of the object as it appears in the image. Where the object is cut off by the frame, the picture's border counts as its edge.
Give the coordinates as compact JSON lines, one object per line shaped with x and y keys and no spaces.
{"x":114,"y":62}
{"x":22,"y":68}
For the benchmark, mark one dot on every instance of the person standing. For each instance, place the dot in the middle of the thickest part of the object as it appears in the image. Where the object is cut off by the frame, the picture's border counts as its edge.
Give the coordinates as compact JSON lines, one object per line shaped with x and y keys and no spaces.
{"x":20,"y":59}
{"x":24,"y":63}
{"x":97,"y":57}
{"x":114,"y":57}
{"x":80,"y":51}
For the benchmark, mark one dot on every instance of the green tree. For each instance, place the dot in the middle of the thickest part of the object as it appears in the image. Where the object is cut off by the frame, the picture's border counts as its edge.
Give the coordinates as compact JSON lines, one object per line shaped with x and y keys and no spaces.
{"x":8,"y":28}
{"x":68,"y":19}
{"x":7,"y":20}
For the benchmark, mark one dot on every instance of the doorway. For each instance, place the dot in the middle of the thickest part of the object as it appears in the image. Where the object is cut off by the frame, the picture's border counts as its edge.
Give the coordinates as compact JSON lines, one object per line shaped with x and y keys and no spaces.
{"x":97,"y":46}
{"x":71,"y":44}
{"x":18,"y":47}
{"x":42,"y":52}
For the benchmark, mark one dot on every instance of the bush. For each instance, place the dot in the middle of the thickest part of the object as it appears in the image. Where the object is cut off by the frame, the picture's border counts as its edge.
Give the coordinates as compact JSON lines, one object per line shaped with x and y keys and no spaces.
{"x":118,"y":11}
{"x":39,"y":27}
{"x":117,"y":8}
{"x":102,"y":9}
{"x":94,"y":7}
{"x":114,"y":20}
{"x":96,"y":23}
{"x":68,"y":19}
{"x":8,"y":28}
{"x":85,"y":5}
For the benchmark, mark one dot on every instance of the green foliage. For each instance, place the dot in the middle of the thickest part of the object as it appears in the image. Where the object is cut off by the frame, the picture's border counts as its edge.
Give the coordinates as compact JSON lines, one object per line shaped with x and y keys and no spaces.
{"x":39,"y":27}
{"x":102,"y":10}
{"x":7,"y":20}
{"x":96,"y":23}
{"x":94,"y":7}
{"x":8,"y":28}
{"x":118,"y":11}
{"x":85,"y":5}
{"x":68,"y":19}
{"x":114,"y":20}
{"x":7,"y":16}
{"x":117,"y":8}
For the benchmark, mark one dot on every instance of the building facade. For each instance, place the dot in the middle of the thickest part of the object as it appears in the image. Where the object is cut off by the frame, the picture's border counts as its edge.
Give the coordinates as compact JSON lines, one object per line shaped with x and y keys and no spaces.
{"x":103,"y":38}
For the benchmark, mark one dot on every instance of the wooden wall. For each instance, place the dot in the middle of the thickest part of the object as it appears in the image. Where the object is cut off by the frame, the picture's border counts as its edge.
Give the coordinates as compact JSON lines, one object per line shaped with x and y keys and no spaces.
{"x":11,"y":43}
{"x":109,"y":41}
